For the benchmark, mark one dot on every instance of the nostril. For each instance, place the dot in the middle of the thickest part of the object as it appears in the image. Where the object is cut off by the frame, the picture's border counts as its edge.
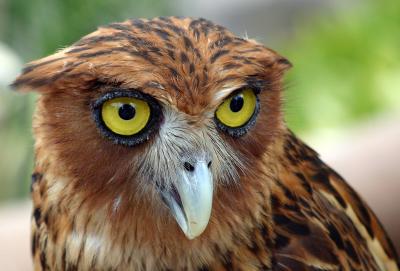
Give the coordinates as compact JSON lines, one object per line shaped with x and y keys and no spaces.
{"x":209,"y":164}
{"x":188,"y":166}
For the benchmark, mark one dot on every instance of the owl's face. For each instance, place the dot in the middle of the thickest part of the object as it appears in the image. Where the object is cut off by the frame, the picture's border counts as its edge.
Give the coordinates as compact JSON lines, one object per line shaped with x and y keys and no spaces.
{"x":161,"y":113}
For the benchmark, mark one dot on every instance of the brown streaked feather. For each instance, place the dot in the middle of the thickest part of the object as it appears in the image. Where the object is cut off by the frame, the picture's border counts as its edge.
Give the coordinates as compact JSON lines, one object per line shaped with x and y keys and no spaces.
{"x":324,"y":221}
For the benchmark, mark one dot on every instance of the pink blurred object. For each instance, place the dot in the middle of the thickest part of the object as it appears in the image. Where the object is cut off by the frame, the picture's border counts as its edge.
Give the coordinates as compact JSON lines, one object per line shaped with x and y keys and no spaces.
{"x":15,"y":245}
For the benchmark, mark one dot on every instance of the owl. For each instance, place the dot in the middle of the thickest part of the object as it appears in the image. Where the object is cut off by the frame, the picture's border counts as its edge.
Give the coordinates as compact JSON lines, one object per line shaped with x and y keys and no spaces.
{"x":161,"y":145}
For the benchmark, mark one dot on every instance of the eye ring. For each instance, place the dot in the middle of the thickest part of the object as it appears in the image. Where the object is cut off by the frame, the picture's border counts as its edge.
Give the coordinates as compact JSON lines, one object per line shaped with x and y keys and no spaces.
{"x":236,"y":106}
{"x":144,"y":134}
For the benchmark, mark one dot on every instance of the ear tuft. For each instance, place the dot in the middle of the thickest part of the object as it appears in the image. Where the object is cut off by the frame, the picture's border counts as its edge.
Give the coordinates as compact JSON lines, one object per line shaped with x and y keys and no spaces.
{"x":283,"y":64}
{"x":39,"y":74}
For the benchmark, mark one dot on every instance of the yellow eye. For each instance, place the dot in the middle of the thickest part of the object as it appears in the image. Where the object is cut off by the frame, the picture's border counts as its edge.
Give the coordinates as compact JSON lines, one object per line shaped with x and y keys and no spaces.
{"x":237,"y":110}
{"x":125,"y":116}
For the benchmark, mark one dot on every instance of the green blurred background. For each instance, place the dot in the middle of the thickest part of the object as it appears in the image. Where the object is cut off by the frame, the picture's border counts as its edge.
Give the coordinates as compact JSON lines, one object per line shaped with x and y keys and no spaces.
{"x":345,"y":55}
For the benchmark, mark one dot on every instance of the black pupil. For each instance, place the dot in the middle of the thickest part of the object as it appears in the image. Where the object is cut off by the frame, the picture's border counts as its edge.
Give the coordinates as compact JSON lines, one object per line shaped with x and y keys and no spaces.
{"x":237,"y":103}
{"x":126,"y":112}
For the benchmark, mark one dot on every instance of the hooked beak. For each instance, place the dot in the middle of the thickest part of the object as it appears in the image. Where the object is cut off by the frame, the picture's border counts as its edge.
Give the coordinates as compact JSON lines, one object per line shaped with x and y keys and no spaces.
{"x":190,"y":199}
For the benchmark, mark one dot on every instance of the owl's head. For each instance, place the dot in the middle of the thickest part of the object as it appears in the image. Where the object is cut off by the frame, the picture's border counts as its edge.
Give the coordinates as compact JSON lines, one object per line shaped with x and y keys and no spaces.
{"x":157,"y":113}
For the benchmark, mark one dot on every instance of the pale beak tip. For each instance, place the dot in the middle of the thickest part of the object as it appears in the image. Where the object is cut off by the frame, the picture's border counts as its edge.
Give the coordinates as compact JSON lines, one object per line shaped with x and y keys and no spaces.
{"x":195,"y":230}
{"x":195,"y":194}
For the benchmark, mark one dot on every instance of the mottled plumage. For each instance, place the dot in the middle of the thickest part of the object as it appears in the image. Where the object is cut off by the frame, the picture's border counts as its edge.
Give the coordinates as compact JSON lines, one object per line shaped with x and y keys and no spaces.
{"x":96,"y":196}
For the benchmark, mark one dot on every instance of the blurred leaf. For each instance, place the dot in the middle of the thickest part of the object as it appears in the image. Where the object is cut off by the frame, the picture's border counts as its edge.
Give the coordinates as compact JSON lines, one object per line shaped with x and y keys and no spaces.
{"x":346,"y":67}
{"x":38,"y":28}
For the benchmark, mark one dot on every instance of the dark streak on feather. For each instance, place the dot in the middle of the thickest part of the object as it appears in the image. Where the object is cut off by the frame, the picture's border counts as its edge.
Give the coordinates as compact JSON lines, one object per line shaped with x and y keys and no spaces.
{"x":34,"y":243}
{"x":36,"y":177}
{"x":335,"y":236}
{"x":231,"y":66}
{"x":32,"y":67}
{"x":281,"y":241}
{"x":306,"y":185}
{"x":118,"y":26}
{"x":351,"y":251}
{"x":291,"y":226}
{"x":191,"y":68}
{"x":162,"y":34}
{"x":322,"y":177}
{"x":37,"y":214}
{"x":184,"y":58}
{"x":218,"y":54}
{"x":188,"y":43}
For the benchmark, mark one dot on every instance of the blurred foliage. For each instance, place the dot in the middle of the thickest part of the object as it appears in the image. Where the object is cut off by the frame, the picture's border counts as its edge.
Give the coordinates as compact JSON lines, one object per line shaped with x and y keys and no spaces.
{"x":37,"y":28}
{"x":16,"y":145}
{"x":346,"y":66}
